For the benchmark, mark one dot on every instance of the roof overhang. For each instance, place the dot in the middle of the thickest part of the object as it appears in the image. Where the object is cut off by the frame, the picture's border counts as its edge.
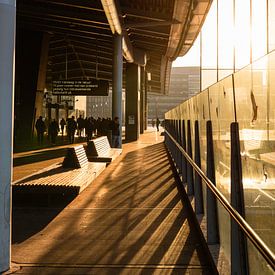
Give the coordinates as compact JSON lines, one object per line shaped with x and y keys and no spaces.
{"x":154,"y":34}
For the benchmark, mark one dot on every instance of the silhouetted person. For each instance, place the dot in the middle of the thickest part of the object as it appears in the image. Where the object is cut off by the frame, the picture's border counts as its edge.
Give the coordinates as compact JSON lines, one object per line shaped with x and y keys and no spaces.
{"x":115,"y":133}
{"x":40,"y":129}
{"x":157,"y":123}
{"x":71,"y":127}
{"x":62,"y":126}
{"x":80,"y":125}
{"x":53,"y":130}
{"x":89,"y":128}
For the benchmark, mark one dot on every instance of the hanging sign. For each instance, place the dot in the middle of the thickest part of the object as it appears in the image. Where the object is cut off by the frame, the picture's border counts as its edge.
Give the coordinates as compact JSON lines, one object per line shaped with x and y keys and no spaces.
{"x":80,"y":87}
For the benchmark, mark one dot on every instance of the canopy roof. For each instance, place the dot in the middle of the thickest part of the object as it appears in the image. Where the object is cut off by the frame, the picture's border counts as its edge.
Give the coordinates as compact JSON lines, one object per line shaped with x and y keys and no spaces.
{"x":81,"y":37}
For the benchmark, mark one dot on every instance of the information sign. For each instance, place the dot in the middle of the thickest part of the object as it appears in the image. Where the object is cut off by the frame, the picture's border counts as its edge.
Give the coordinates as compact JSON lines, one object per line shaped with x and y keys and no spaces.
{"x":80,"y":87}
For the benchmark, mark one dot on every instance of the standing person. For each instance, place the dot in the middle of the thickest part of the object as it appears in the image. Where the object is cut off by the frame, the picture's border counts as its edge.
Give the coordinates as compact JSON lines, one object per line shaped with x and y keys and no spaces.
{"x":80,"y":125}
{"x":62,"y":125}
{"x":115,"y":133}
{"x":89,"y":128}
{"x":40,"y":129}
{"x":153,"y":123}
{"x":53,"y":130}
{"x":157,"y":123}
{"x":71,"y":127}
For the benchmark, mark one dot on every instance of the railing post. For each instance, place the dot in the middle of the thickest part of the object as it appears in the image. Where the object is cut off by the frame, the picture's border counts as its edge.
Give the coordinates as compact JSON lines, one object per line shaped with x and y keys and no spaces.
{"x":190,"y":176}
{"x":239,"y":256}
{"x":212,"y":218}
{"x":184,"y":162}
{"x":198,"y":185}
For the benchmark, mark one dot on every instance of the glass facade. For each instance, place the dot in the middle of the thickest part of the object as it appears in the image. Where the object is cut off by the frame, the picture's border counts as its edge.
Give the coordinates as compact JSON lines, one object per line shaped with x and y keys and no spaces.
{"x":235,"y":33}
{"x":238,"y":84}
{"x":247,"y":97}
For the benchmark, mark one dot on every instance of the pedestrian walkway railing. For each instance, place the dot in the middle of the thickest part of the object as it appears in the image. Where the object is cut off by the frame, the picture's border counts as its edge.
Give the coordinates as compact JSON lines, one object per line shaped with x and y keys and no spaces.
{"x":225,"y":137}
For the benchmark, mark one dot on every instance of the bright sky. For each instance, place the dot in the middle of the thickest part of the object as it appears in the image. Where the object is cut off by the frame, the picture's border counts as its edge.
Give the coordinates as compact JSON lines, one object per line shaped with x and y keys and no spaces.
{"x":240,"y":36}
{"x":192,"y":58}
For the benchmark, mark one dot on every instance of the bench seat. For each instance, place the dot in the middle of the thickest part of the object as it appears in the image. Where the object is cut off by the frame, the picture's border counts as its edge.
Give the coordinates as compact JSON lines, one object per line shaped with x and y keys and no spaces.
{"x":56,"y":179}
{"x":99,"y":150}
{"x":70,"y":177}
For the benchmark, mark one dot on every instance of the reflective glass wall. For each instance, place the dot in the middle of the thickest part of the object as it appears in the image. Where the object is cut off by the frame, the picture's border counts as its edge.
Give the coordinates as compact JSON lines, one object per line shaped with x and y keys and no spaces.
{"x":235,"y":33}
{"x":247,"y":97}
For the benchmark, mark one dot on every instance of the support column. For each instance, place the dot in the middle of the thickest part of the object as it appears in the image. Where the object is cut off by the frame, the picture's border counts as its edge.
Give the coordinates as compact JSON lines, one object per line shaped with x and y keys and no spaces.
{"x":132,"y":102}
{"x":7,"y":49}
{"x":117,"y":82}
{"x":145,"y":102}
{"x":142,"y":99}
{"x":41,"y":81}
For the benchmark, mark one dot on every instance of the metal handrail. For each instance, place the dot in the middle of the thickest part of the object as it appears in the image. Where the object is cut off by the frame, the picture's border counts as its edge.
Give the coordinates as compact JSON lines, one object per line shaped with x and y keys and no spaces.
{"x":249,"y":232}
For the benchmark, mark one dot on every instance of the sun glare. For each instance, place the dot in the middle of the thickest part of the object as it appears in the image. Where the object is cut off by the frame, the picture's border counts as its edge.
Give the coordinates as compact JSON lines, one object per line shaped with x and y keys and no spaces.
{"x":240,"y":35}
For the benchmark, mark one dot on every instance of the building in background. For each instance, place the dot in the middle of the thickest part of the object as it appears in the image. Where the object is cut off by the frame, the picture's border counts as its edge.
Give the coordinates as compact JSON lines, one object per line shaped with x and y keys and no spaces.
{"x":101,"y":106}
{"x":184,"y":83}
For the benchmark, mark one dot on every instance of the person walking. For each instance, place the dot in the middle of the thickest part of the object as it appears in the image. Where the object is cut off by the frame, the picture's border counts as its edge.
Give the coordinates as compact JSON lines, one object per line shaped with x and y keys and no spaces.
{"x":157,"y":124}
{"x":40,"y":129}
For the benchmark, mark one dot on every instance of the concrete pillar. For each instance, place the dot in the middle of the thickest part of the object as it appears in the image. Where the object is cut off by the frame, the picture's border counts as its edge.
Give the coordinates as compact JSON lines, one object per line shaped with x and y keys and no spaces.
{"x":117,"y":81}
{"x":7,"y":51}
{"x":142,"y":99}
{"x":132,"y":123}
{"x":145,"y":102}
{"x":41,"y":80}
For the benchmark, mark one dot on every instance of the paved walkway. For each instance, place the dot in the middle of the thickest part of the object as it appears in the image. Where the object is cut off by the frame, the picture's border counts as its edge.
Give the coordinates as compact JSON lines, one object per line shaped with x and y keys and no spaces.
{"x":130,"y":220}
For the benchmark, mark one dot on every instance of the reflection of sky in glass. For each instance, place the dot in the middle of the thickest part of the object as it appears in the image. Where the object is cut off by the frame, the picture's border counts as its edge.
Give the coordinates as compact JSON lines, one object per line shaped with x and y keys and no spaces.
{"x":242,"y":32}
{"x":258,"y":28}
{"x":209,"y":38}
{"x":226,"y":34}
{"x":271,"y":22}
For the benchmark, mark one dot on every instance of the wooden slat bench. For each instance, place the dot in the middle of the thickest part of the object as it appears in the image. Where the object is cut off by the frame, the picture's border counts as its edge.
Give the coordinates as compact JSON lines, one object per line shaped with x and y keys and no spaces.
{"x":71,"y":177}
{"x":76,"y":157}
{"x":99,"y":150}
